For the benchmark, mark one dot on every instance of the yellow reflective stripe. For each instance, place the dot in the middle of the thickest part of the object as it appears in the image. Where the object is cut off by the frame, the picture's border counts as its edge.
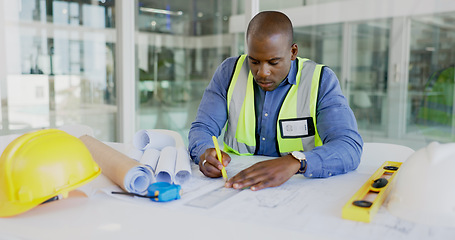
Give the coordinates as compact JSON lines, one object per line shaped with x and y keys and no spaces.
{"x":229,"y":149}
{"x":313,"y":101}
{"x":299,"y":69}
{"x":235,"y":76}
{"x":289,"y":110}
{"x":246,"y":127}
{"x":289,"y":106}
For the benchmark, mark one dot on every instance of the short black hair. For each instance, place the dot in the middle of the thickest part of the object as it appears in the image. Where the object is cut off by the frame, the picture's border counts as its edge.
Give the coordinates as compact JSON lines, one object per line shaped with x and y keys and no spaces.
{"x":270,"y":22}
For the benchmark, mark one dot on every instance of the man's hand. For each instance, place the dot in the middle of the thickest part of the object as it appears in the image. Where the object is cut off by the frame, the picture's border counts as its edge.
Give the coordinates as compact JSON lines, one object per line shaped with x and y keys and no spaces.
{"x":270,"y":173}
{"x":209,"y":164}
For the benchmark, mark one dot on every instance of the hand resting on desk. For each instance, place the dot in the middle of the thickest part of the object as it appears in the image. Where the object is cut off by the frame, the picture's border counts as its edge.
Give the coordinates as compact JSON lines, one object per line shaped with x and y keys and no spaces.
{"x":269,"y":173}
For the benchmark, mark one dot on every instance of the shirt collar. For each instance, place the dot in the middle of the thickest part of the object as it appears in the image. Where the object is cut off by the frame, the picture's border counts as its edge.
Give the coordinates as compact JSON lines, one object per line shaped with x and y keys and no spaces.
{"x":290,"y":78}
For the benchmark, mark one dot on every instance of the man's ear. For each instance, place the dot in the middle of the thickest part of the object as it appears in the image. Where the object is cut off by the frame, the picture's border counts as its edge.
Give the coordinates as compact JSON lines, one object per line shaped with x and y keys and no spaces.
{"x":294,"y":51}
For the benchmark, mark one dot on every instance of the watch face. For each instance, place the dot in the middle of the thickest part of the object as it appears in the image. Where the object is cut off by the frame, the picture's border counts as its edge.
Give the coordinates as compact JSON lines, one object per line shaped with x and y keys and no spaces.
{"x":299,"y":155}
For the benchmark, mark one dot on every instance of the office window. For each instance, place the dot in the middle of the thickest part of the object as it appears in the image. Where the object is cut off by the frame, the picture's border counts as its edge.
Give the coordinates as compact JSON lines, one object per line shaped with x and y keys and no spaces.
{"x":188,"y":18}
{"x":179,"y":46}
{"x":60,"y":61}
{"x":322,"y":44}
{"x":274,"y":5}
{"x":367,"y":83}
{"x":240,"y":44}
{"x":431,"y":77}
{"x":238,"y":7}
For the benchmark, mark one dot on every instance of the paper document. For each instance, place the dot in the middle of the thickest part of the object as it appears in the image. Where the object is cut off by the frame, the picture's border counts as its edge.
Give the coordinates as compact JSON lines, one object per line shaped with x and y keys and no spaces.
{"x":165,"y":153}
{"x":182,"y":166}
{"x":166,"y":165}
{"x":129,"y":174}
{"x":152,"y":138}
{"x":150,"y":158}
{"x":213,"y":198}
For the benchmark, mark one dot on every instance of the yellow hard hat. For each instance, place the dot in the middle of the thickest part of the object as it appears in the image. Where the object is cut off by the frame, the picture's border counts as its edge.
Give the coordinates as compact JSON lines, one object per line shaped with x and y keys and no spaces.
{"x":40,"y":165}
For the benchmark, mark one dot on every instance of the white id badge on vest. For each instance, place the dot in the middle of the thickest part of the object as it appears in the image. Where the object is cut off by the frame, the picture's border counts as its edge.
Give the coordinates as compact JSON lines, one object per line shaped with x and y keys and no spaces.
{"x":296,"y":127}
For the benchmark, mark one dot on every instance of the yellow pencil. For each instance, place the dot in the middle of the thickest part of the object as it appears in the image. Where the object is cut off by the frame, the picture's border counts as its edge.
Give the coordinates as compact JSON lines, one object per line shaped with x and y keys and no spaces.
{"x":220,"y":158}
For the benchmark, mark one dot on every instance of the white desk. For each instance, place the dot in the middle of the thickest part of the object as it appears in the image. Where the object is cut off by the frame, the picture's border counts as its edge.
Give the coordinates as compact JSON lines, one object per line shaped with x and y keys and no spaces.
{"x":299,"y":209}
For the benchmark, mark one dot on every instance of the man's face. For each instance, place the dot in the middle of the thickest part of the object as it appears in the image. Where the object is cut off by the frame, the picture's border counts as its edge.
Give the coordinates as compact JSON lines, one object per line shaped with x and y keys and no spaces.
{"x":270,"y":60}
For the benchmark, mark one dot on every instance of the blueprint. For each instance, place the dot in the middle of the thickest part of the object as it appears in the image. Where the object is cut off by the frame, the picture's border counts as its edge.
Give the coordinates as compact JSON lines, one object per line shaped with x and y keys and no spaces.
{"x":306,"y":205}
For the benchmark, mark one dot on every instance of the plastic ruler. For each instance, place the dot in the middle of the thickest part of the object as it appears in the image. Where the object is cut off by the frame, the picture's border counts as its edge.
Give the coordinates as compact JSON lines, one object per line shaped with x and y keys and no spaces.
{"x":212,"y":198}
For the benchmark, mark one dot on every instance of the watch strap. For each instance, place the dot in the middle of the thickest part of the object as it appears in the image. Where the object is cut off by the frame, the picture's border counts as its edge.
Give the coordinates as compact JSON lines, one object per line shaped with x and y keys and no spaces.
{"x":302,"y":168}
{"x":302,"y":160}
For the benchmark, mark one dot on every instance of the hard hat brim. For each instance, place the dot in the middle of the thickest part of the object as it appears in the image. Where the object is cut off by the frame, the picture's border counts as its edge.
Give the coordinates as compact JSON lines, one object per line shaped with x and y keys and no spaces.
{"x":10,"y":209}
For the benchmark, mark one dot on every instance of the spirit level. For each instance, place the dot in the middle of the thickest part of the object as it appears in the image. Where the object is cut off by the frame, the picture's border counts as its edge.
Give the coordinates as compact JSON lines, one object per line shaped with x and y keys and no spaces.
{"x":368,"y":199}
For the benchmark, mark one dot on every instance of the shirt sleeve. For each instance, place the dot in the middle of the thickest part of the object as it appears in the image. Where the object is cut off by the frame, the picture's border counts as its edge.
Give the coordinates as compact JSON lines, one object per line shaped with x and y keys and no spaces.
{"x":212,"y":112}
{"x":337,"y":127}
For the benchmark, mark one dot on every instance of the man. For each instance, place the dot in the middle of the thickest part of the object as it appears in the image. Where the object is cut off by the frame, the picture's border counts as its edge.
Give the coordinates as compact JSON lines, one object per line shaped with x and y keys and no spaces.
{"x":274,"y":104}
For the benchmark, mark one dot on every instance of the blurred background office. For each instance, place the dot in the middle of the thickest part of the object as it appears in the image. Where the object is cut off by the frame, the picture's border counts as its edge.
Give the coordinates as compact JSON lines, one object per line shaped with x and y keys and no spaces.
{"x":120,"y":66}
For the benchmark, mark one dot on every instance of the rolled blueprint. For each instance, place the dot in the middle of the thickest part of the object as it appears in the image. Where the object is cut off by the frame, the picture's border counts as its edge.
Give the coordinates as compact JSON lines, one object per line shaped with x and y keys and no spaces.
{"x":129,"y":174}
{"x":182,"y":166}
{"x":152,"y":138}
{"x":126,"y":149}
{"x":134,"y":153}
{"x":150,"y":158}
{"x":166,"y":165}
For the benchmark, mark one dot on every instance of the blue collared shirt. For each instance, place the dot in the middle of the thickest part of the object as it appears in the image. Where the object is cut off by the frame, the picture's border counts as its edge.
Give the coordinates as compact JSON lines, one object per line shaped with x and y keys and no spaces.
{"x":336,"y":124}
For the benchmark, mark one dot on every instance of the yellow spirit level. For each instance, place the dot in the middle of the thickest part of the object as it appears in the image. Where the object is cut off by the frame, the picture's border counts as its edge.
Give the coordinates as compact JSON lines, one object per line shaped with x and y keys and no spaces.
{"x":366,"y":201}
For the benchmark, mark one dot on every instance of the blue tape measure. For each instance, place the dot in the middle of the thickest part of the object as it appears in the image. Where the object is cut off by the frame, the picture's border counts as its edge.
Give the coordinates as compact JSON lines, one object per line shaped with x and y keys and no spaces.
{"x":164,"y":192}
{"x":159,"y":192}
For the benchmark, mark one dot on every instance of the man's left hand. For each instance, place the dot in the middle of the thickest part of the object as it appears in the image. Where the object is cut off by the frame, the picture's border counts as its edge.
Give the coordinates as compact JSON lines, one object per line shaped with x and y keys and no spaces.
{"x":269,"y":173}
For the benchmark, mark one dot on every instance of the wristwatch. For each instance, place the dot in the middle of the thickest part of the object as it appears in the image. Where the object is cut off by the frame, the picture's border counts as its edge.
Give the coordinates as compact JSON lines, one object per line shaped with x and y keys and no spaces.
{"x":302,"y":159}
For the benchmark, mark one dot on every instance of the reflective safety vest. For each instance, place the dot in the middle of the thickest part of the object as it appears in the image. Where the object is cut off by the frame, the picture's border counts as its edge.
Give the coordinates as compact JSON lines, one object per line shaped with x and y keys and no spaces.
{"x":296,"y":124}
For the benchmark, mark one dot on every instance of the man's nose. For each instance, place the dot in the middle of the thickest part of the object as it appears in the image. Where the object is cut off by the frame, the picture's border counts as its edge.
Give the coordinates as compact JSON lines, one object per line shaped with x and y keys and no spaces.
{"x":263,"y":71}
